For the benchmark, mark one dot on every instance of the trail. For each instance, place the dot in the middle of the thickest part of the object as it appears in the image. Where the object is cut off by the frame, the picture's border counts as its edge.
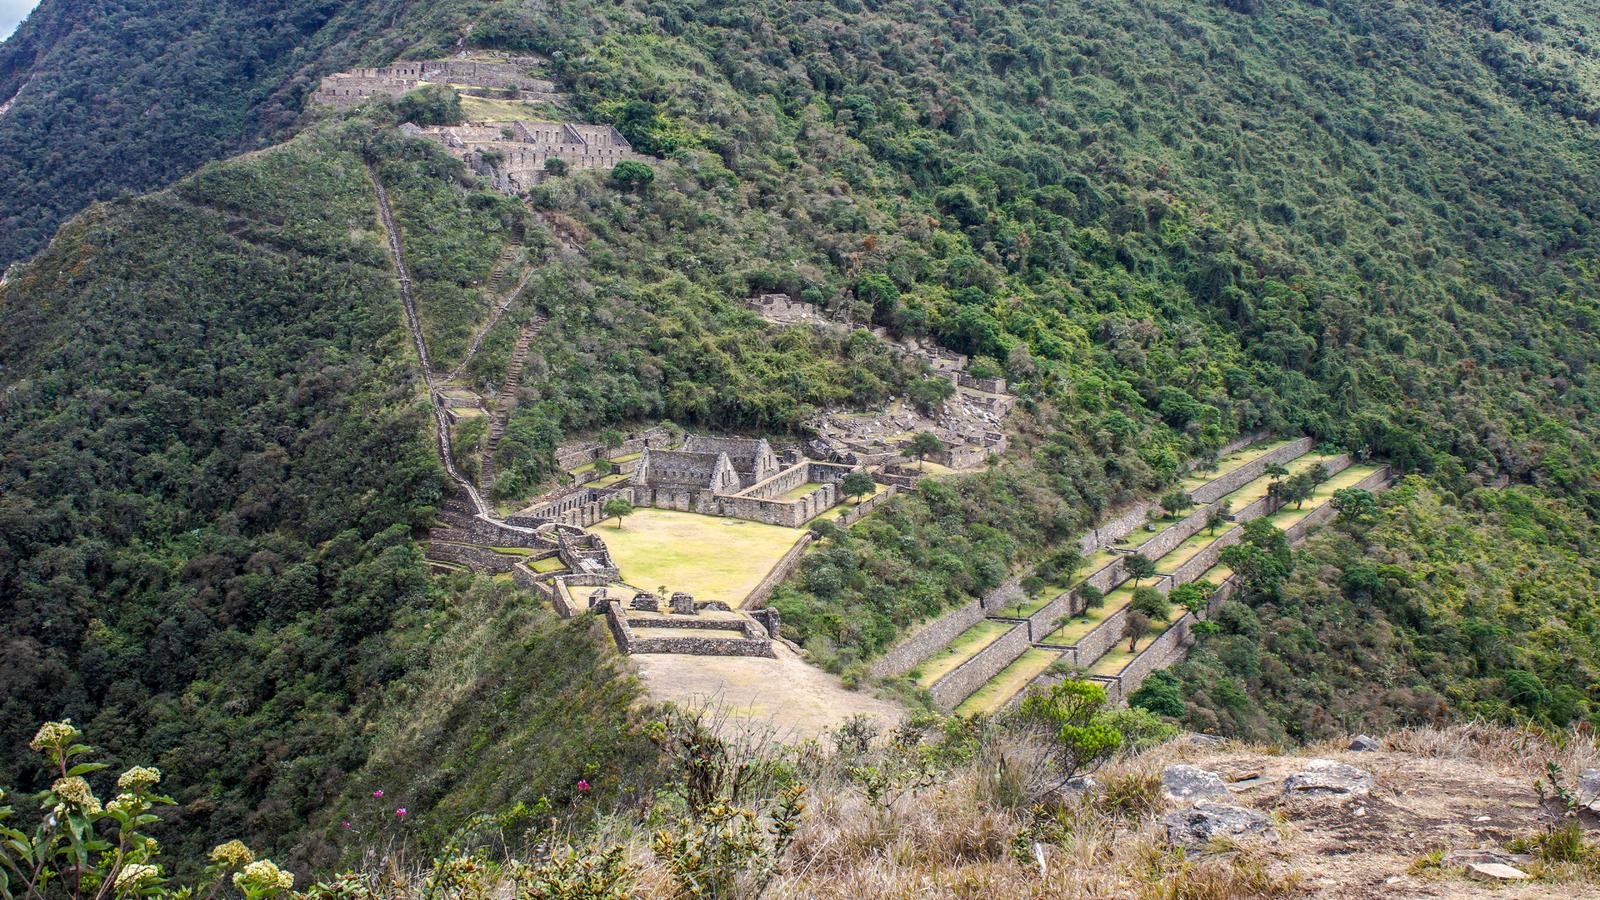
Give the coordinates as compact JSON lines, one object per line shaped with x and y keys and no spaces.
{"x":441,"y":423}
{"x":494,"y":319}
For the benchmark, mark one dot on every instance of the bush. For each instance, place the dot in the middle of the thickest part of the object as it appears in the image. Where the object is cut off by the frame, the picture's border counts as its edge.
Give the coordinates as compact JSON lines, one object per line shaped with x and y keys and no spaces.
{"x":429,"y":105}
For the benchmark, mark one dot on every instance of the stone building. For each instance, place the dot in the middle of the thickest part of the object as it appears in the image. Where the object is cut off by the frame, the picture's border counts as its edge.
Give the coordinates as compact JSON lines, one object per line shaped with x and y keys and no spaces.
{"x":516,"y":154}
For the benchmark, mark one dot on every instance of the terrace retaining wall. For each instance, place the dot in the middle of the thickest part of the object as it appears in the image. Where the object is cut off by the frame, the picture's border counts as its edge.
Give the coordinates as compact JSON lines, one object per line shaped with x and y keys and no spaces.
{"x":925,"y":641}
{"x":785,"y":567}
{"x":1216,"y":489}
{"x":959,"y":683}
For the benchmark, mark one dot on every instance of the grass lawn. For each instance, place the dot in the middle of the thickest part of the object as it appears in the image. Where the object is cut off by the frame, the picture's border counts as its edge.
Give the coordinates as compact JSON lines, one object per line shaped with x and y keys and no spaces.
{"x":965,"y":646}
{"x":1079,"y":626}
{"x":710,"y":557}
{"x":1217,"y":574}
{"x":1242,"y":456}
{"x":1186,"y":551}
{"x":1008,"y":682}
{"x":1258,"y":488}
{"x":548,"y":564}
{"x":645,"y":631}
{"x":1288,"y":516}
{"x":1034,"y":602}
{"x":491,"y":109}
{"x":797,"y":493}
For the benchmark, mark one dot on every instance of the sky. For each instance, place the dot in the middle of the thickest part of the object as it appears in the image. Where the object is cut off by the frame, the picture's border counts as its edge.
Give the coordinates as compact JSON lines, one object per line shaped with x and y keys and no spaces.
{"x":12,"y":12}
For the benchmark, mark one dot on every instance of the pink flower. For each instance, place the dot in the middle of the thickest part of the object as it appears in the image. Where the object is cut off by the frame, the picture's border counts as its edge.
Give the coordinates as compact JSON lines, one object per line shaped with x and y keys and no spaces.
{"x":583,"y":786}
{"x":378,"y":793}
{"x":401,"y":811}
{"x":347,"y":826}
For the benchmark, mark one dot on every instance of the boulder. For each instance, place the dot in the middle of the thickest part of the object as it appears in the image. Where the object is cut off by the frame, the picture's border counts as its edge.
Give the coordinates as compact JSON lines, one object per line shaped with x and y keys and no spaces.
{"x":1186,"y":784}
{"x":1197,"y":825}
{"x":1326,"y":778}
{"x":1496,"y":872}
{"x":1363,"y":744}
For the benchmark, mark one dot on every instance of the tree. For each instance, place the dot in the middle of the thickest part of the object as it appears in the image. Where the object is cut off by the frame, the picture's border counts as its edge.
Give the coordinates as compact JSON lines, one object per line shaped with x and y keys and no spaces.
{"x":617,"y":508}
{"x":1061,"y":565}
{"x":1152,"y":603}
{"x":1134,"y":627}
{"x":1356,"y":506}
{"x":555,"y":166}
{"x":430,"y":104}
{"x":1276,"y":471}
{"x":1138,"y":567}
{"x":923,"y":444}
{"x":632,"y":175}
{"x":1161,"y":693}
{"x":1262,"y":559}
{"x":855,"y":484}
{"x":1298,"y":489}
{"x":1219,"y":514}
{"x":1176,"y":502}
{"x":1068,"y":716}
{"x":1195,"y":597}
{"x":1092,"y":597}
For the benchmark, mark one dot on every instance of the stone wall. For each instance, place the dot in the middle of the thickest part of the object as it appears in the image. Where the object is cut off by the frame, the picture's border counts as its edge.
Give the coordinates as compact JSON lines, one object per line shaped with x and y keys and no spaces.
{"x":697,"y":645}
{"x":925,"y":641}
{"x":783,"y":569}
{"x":479,"y":559}
{"x":1202,"y":562}
{"x":856,"y":513}
{"x":963,"y":680}
{"x":1043,"y":621}
{"x":1167,"y":539}
{"x":572,"y":456}
{"x":1215,"y":490}
{"x":1118,"y":527}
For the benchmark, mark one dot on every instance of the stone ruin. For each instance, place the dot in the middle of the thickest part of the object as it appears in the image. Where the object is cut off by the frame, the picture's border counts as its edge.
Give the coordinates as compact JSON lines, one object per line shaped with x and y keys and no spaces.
{"x":740,"y":478}
{"x":475,"y":73}
{"x":514,"y":153}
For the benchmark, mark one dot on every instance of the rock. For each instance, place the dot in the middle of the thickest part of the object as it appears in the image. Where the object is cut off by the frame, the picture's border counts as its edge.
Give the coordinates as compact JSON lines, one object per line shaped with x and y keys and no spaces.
{"x":1363,"y":744}
{"x":1326,"y":778}
{"x":1589,"y":784}
{"x":1196,"y":826}
{"x":1207,"y":740}
{"x":1187,"y":784}
{"x":1496,"y":872}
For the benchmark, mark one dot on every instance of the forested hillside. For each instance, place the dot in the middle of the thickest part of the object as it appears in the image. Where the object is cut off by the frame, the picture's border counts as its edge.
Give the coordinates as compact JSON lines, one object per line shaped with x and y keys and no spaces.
{"x":99,"y":99}
{"x":1164,"y":223}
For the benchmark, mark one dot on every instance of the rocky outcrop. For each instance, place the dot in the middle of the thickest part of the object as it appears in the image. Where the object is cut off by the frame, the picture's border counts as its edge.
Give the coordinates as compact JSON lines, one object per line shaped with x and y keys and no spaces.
{"x":1197,"y":826}
{"x":1187,"y":784}
{"x":1326,"y":778}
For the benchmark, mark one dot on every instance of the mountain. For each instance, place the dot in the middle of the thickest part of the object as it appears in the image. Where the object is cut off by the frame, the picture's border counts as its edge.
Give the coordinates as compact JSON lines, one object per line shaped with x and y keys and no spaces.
{"x":1164,"y":224}
{"x":101,"y":99}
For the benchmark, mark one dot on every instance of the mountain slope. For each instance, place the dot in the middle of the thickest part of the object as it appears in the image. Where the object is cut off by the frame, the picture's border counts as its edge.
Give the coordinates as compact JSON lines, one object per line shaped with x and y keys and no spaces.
{"x":104,"y":98}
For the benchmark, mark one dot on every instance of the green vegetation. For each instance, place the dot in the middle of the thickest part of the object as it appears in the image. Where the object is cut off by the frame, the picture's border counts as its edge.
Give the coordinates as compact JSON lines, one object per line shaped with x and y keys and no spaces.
{"x":136,"y":97}
{"x":1441,"y":605}
{"x":208,"y":550}
{"x":988,"y":699}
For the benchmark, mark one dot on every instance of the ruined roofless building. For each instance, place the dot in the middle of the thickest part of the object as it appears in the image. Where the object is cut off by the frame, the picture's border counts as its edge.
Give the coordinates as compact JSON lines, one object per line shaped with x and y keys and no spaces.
{"x":705,"y":464}
{"x":501,"y":74}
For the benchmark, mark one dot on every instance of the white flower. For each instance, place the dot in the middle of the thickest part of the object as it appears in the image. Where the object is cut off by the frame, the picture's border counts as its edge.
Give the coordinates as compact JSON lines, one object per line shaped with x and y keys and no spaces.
{"x":138,"y":778}
{"x":262,"y":876}
{"x":135,"y":874}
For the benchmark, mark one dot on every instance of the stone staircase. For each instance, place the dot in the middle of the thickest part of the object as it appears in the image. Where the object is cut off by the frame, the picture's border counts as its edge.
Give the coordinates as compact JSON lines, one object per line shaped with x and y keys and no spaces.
{"x":504,"y":400}
{"x":502,"y":269}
